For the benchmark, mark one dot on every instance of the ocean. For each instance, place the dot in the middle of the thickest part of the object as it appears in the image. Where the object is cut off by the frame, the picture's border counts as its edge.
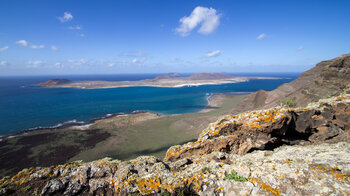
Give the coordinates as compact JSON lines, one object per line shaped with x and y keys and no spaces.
{"x":23,"y":106}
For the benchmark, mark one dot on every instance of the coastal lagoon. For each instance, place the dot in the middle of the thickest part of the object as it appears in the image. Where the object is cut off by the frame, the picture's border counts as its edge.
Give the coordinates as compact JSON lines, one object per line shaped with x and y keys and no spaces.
{"x":23,"y":106}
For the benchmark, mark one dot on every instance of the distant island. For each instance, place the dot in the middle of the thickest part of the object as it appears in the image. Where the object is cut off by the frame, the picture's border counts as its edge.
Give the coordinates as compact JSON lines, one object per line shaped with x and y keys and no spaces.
{"x":160,"y":81}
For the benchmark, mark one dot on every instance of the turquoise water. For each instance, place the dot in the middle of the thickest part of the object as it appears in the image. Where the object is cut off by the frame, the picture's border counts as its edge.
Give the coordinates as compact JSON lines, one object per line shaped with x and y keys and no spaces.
{"x":23,"y":106}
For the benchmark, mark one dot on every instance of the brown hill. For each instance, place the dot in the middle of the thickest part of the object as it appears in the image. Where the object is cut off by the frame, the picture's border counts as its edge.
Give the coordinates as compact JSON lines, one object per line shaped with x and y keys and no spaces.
{"x":327,"y":78}
{"x":54,"y":82}
{"x":209,"y":76}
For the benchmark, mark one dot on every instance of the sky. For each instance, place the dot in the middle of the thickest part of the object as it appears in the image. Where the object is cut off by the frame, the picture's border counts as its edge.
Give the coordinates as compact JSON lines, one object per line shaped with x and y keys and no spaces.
{"x":58,"y":37}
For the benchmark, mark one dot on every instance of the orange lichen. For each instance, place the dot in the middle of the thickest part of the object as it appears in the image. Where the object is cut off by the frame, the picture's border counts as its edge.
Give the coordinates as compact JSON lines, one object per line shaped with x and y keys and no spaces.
{"x":147,"y":186}
{"x":274,"y":191}
{"x":265,"y":186}
{"x":341,"y":98}
{"x":335,"y":171}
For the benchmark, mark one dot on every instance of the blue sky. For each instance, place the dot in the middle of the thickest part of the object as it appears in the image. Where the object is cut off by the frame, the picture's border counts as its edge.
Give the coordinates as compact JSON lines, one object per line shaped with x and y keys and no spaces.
{"x":41,"y":37}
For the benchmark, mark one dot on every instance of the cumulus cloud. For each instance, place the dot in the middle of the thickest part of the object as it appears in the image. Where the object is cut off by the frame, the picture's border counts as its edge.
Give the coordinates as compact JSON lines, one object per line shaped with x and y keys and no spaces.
{"x":54,"y":48}
{"x":67,"y":16}
{"x":29,"y":45}
{"x":301,"y":48}
{"x":261,"y":36}
{"x":77,"y":27}
{"x":22,"y":42}
{"x":206,"y":18}
{"x":213,"y":53}
{"x":3,"y":49}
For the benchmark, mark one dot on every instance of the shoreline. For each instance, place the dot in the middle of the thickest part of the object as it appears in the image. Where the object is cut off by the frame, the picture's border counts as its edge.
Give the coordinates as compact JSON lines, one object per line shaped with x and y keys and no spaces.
{"x":70,"y":124}
{"x":213,"y":99}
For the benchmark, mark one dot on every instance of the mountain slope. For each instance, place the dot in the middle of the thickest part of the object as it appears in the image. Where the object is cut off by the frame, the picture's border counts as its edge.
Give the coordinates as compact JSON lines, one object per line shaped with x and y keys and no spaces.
{"x":327,"y":78}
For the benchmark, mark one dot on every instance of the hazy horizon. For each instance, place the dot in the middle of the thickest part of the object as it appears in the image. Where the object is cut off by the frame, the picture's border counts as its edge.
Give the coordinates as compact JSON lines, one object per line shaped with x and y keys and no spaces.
{"x":129,"y":37}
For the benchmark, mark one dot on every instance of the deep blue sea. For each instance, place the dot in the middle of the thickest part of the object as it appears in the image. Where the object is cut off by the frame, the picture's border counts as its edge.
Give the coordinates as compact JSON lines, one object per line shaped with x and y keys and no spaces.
{"x":23,"y":106}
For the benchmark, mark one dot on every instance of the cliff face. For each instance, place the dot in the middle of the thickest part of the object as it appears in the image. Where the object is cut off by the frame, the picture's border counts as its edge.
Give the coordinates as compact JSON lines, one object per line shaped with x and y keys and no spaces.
{"x":327,"y":78}
{"x":217,"y":162}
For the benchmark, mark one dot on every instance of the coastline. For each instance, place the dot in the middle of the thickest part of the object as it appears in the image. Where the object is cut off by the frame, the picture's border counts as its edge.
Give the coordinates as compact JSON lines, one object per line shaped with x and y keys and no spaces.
{"x":214,"y":100}
{"x":120,"y":136}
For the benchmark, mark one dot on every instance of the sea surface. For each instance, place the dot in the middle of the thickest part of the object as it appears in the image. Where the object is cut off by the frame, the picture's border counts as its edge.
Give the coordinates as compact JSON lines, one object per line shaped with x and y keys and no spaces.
{"x":23,"y":106}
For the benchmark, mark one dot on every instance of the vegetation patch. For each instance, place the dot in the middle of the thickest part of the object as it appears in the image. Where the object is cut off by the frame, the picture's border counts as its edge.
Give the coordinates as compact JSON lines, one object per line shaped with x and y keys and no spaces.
{"x":288,"y":103}
{"x":234,"y":176}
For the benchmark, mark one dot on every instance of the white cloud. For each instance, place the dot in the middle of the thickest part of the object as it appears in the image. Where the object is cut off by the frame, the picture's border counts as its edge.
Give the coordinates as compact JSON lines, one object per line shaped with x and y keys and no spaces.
{"x":3,"y":63}
{"x":58,"y":64}
{"x":34,"y":64}
{"x":111,"y":64}
{"x":301,"y":48}
{"x":82,"y":35}
{"x":207,"y":18}
{"x":78,"y":62}
{"x":22,"y":42}
{"x":36,"y":46}
{"x":213,"y":53}
{"x":66,"y":17}
{"x":77,"y":27}
{"x":137,"y":61}
{"x":27,"y":44}
{"x":261,"y":36}
{"x":3,"y":49}
{"x":54,"y":48}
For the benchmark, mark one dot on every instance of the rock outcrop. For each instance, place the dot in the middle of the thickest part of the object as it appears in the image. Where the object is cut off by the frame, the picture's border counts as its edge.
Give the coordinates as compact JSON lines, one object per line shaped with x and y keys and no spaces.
{"x":218,"y":163}
{"x":325,"y":121}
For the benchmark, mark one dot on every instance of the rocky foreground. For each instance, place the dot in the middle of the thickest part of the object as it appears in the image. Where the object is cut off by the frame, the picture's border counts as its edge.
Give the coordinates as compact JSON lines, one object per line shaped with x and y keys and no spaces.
{"x":237,"y":155}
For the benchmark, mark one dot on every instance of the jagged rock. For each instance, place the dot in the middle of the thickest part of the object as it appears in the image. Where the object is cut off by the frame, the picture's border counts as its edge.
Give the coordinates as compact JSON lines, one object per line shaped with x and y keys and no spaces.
{"x":53,"y":187}
{"x":268,"y":129}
